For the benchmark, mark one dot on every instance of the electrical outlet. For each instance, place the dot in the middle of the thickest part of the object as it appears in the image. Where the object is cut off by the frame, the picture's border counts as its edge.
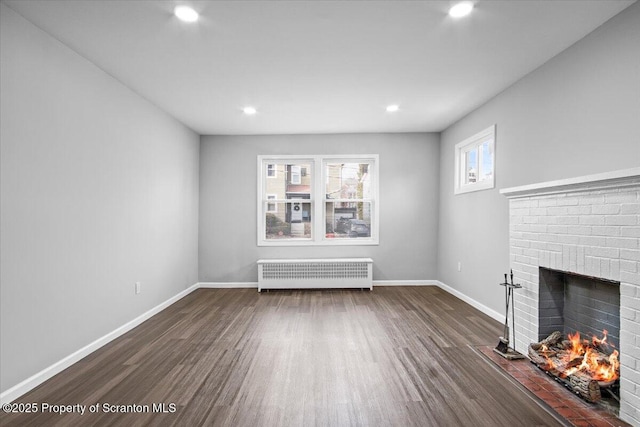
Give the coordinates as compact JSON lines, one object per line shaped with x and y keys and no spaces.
{"x":459,"y":266}
{"x":137,"y":288}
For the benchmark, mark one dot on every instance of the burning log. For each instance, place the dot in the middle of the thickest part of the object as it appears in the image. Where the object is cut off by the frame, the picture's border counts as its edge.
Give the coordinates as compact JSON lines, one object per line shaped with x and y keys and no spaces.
{"x":536,"y":357}
{"x":582,"y":365}
{"x":552,"y":339}
{"x":585,"y":386}
{"x":540,"y":352}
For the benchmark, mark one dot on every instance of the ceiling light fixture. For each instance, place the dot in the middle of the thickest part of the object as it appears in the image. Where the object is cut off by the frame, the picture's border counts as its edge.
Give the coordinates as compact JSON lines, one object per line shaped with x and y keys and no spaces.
{"x":185,"y":13}
{"x":461,"y":9}
{"x":392,"y":108}
{"x":249,"y":111}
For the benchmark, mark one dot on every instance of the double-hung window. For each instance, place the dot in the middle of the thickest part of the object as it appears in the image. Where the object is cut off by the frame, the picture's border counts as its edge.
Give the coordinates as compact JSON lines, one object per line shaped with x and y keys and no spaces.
{"x":318,"y":200}
{"x":475,"y":162}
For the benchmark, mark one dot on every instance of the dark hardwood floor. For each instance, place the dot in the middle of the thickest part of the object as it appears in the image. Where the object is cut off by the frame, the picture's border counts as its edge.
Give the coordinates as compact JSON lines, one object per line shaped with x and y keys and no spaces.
{"x":396,"y":356}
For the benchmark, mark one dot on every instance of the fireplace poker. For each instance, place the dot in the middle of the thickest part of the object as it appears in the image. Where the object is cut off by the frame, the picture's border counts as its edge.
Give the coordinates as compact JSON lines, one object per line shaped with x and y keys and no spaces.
{"x":503,"y":347}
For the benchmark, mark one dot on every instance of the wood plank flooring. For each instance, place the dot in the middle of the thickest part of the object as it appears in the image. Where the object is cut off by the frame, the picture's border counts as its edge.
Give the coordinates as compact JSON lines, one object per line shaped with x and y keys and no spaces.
{"x":396,"y":356}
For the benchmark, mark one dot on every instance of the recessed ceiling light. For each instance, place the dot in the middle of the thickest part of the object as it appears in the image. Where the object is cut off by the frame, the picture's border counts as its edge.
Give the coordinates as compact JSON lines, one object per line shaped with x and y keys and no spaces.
{"x":185,"y":13}
{"x":392,"y":108}
{"x":461,"y":9}
{"x":249,"y":111}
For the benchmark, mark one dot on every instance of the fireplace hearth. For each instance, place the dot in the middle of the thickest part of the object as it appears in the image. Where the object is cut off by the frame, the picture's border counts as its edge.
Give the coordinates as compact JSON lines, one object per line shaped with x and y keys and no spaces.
{"x":575,"y":411}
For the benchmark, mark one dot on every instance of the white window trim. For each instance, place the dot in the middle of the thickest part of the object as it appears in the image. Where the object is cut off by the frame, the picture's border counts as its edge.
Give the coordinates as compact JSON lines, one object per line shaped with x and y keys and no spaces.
{"x":462,"y":147}
{"x":318,"y":237}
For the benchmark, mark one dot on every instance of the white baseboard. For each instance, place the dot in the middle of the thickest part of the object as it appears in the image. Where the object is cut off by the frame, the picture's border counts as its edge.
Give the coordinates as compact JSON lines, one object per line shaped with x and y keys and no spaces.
{"x":225,"y":285}
{"x":40,"y":377}
{"x":405,"y":283}
{"x":483,"y":308}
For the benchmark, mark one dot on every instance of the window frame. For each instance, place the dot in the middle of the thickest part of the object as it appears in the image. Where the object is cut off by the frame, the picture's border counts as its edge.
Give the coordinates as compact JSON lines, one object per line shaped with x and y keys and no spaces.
{"x":462,"y":148}
{"x":317,"y":199}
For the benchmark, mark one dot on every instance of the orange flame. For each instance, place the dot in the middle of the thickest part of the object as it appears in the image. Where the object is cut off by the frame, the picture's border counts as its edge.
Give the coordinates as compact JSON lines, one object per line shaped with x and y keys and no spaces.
{"x":577,"y":347}
{"x":551,"y":366}
{"x":591,"y":361}
{"x":602,"y":342}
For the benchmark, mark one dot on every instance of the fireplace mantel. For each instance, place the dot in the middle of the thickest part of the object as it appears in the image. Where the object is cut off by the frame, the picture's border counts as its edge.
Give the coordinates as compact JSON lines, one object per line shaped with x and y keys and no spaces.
{"x":615,"y":179}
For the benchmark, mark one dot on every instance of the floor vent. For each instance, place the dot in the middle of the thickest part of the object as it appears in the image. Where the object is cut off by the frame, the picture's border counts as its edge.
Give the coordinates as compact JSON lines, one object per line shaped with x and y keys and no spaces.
{"x":315,"y":273}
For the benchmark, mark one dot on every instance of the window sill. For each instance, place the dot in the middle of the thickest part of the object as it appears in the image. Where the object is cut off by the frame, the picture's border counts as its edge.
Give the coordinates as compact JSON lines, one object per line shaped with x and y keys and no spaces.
{"x":484,"y":185}
{"x":324,"y":242}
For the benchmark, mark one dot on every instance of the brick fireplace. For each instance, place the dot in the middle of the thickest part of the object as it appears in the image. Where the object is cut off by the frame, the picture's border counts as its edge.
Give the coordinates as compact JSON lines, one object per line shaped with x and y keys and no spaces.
{"x":589,"y":226}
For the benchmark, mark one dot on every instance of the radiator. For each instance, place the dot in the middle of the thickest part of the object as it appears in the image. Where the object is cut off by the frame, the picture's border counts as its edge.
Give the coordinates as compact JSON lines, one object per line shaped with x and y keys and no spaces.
{"x":315,"y":273}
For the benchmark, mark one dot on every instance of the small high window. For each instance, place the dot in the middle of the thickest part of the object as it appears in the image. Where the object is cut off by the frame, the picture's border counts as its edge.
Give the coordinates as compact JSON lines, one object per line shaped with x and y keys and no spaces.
{"x":475,"y":162}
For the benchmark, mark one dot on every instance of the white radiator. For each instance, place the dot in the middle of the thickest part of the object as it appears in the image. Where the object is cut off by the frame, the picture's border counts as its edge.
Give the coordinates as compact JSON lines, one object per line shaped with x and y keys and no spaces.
{"x":315,"y":273}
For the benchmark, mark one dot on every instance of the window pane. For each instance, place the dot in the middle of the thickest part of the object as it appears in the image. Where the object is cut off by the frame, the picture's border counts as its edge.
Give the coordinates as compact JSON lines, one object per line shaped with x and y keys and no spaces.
{"x":487,"y":160}
{"x":347,"y":220}
{"x":471,"y":166}
{"x":348,"y":181}
{"x":288,"y":182}
{"x":289,"y":220}
{"x":287,"y":201}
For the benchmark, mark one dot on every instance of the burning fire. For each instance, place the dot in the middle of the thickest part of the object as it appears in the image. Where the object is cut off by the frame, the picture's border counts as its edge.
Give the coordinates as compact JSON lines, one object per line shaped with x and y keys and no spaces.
{"x":581,"y":355}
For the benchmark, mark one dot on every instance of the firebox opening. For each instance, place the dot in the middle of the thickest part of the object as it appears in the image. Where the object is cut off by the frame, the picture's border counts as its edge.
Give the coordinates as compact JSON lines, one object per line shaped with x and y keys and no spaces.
{"x":578,"y":334}
{"x":570,"y":303}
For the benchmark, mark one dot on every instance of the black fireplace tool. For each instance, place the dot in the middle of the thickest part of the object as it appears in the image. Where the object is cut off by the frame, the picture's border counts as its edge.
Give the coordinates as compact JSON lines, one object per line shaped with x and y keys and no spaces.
{"x":503,"y":348}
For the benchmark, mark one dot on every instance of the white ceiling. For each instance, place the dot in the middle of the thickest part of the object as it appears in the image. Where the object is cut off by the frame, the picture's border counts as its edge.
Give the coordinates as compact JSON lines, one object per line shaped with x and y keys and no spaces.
{"x":317,"y":66}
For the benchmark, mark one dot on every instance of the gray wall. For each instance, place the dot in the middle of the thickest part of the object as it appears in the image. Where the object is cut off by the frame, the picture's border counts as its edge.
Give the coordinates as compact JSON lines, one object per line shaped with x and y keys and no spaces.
{"x":408,"y":203}
{"x":99,"y":189}
{"x":578,"y":114}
